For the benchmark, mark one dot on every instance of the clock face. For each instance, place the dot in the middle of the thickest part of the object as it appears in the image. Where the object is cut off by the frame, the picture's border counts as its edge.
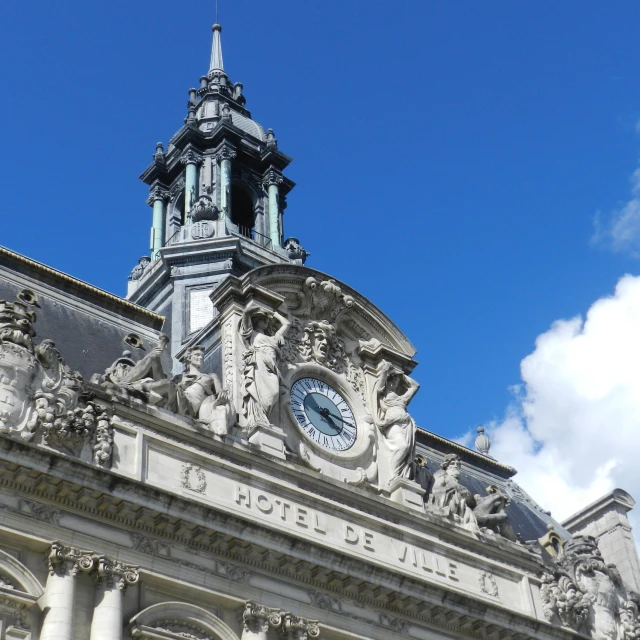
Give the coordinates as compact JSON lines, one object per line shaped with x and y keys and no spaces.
{"x":323,"y":414}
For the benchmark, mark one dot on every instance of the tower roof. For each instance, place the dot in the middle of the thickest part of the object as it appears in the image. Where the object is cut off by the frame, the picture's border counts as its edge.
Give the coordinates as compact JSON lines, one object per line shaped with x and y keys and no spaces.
{"x":217,"y":63}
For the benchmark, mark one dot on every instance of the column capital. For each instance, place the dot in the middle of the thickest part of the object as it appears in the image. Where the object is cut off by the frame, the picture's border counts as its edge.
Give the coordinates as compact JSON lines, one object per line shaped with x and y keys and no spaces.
{"x":297,"y":628}
{"x":191,"y":157}
{"x":66,"y":560}
{"x":272,"y":177}
{"x":226,"y":152}
{"x":116,"y":574}
{"x":258,"y":618}
{"x":157,"y":193}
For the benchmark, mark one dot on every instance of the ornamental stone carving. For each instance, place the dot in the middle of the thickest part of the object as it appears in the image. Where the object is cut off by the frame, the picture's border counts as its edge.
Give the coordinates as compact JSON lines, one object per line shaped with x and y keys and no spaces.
{"x":257,"y":619}
{"x":115,"y":574}
{"x":67,"y":560}
{"x":272,"y":177}
{"x":41,"y":399}
{"x":322,"y":300}
{"x":297,"y":628}
{"x":226,"y":152}
{"x":191,"y":157}
{"x":203,"y":209}
{"x":584,"y":593}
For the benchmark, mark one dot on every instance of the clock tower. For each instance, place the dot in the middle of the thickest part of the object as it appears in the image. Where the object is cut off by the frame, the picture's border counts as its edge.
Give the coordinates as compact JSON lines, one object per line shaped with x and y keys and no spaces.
{"x":218,"y":195}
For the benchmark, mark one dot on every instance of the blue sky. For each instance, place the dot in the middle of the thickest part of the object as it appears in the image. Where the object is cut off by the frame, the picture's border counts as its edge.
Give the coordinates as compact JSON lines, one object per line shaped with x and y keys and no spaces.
{"x":450,"y":157}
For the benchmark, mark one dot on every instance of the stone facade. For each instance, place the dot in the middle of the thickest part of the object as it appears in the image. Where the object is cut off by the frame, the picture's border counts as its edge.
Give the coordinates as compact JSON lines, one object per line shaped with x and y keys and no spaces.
{"x":259,"y":475}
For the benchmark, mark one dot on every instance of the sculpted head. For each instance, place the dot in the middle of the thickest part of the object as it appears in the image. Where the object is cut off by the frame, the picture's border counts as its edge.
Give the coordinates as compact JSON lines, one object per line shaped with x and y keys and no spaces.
{"x":47,"y":353}
{"x":315,"y":340}
{"x":194,"y":356}
{"x":451,"y":465}
{"x":261,"y":321}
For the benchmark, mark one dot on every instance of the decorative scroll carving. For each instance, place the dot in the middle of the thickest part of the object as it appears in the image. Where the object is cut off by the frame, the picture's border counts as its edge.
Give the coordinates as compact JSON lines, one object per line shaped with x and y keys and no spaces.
{"x":297,"y":628}
{"x":41,"y":398}
{"x":322,"y":300}
{"x":392,"y":393}
{"x":257,"y":618}
{"x":204,"y":209}
{"x":263,"y":334}
{"x":588,"y":595}
{"x":63,"y":560}
{"x":116,"y":574}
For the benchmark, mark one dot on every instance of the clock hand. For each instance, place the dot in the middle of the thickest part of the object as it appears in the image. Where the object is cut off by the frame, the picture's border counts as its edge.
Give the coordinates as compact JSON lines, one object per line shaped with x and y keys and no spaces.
{"x":333,"y":415}
{"x":322,"y":412}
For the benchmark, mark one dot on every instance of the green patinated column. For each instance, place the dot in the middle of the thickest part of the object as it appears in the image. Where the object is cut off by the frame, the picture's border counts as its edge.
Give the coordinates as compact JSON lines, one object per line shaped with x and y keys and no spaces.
{"x":272,"y":181}
{"x":191,"y":160}
{"x":157,"y":199}
{"x":224,"y":157}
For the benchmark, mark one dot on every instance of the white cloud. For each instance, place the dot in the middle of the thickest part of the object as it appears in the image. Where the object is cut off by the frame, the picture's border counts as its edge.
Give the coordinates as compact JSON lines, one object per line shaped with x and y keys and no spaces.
{"x":620,"y":230}
{"x":573,"y":431}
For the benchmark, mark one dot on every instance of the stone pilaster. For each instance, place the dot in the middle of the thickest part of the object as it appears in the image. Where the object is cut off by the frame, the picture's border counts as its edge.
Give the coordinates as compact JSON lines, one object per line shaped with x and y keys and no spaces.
{"x":257,"y":619}
{"x":113,"y":578}
{"x":64,"y":565}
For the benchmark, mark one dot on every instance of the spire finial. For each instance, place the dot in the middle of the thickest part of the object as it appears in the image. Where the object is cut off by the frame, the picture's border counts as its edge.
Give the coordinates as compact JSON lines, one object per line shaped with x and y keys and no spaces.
{"x":216,"y":50}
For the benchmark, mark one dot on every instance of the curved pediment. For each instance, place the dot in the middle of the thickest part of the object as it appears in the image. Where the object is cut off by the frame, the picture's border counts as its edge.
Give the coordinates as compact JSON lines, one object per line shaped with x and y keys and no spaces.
{"x":310,"y":295}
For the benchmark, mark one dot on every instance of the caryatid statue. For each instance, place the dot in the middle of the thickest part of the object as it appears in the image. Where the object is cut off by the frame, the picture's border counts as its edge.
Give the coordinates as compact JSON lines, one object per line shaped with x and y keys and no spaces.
{"x":392,"y":392}
{"x":263,"y":334}
{"x":201,"y":395}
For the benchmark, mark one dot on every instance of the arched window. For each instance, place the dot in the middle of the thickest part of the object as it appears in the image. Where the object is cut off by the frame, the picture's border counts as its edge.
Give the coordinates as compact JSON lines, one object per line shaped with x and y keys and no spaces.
{"x":177,"y":620}
{"x":242,"y":210}
{"x":19,"y":593}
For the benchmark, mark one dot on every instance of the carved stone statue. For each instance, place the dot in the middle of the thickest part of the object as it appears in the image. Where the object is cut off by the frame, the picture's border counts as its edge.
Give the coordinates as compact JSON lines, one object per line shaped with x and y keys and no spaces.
{"x":392,"y":393}
{"x":490,"y":513}
{"x":139,"y":269}
{"x":588,"y":595}
{"x":201,"y":395}
{"x":295,"y":251}
{"x":144,"y":380}
{"x":261,"y":380}
{"x":448,"y":497}
{"x":315,"y":342}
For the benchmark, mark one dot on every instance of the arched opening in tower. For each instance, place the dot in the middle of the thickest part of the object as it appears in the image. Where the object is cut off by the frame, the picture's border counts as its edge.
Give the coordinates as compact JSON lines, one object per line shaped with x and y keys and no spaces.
{"x":242,"y":210}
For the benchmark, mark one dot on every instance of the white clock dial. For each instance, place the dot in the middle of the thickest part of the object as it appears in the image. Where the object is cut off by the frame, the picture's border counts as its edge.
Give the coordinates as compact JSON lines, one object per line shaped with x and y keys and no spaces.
{"x":323,"y":414}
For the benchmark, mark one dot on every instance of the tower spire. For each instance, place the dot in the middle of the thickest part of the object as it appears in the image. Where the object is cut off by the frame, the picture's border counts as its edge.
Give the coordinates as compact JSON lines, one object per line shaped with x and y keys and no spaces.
{"x":216,"y":50}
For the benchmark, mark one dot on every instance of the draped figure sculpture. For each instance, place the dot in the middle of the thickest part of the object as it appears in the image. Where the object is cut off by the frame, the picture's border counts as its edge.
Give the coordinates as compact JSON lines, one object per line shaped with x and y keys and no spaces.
{"x":261,"y":380}
{"x":392,"y":393}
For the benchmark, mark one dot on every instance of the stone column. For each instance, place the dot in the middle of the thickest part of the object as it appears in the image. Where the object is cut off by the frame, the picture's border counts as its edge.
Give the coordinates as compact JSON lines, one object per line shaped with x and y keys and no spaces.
{"x":191,"y":160}
{"x":224,"y":157}
{"x":271,"y":182}
{"x":257,"y":619}
{"x":113,"y":578}
{"x":64,"y":565}
{"x":157,"y":199}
